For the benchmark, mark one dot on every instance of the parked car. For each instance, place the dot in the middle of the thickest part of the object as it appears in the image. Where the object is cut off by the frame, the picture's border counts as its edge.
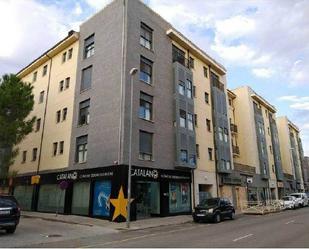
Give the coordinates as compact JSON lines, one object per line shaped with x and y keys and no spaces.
{"x":307,"y":194}
{"x":214,"y":209}
{"x":302,"y":198}
{"x":9,"y":213}
{"x":289,"y":202}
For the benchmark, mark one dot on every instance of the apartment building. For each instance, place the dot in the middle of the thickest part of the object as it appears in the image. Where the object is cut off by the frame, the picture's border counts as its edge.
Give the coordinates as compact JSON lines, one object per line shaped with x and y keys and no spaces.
{"x":47,"y":148}
{"x":179,"y":120}
{"x":292,"y":155}
{"x":305,"y":170}
{"x":255,"y":147}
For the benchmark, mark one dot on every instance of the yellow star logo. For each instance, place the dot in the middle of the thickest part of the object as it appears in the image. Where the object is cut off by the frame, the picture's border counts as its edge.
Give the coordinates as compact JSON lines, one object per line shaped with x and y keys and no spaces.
{"x":120,"y":205}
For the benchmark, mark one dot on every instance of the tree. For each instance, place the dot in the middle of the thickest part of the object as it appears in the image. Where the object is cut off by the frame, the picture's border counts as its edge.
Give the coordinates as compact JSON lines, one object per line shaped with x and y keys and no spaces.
{"x":16,"y":103}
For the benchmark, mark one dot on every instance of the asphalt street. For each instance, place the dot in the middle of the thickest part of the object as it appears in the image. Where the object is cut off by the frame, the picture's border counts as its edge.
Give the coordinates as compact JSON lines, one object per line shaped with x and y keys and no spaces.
{"x":284,"y":229}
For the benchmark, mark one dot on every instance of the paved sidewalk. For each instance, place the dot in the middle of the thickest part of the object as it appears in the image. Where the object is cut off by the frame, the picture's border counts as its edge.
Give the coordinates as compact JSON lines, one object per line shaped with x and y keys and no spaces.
{"x":87,"y":221}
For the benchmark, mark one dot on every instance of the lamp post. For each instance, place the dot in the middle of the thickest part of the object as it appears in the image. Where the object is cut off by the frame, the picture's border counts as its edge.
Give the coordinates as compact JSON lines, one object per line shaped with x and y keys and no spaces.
{"x":133,"y":71}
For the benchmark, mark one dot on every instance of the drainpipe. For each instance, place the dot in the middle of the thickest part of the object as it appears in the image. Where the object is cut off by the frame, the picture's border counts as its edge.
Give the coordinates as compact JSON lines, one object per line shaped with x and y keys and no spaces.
{"x":44,"y":116}
{"x":122,"y":84}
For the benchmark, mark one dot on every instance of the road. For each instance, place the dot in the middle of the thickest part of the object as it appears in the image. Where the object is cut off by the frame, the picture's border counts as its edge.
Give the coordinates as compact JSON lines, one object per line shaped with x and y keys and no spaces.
{"x":285,"y":229}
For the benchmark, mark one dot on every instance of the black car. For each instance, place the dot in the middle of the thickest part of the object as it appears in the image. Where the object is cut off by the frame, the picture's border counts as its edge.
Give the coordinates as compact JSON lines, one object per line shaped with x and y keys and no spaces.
{"x":214,"y":209}
{"x":9,"y":213}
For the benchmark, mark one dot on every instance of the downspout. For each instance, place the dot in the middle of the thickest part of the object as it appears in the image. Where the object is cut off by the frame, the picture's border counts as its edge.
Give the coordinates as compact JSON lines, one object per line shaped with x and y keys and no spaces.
{"x":214,"y":133}
{"x":122,"y":85}
{"x":45,"y":111}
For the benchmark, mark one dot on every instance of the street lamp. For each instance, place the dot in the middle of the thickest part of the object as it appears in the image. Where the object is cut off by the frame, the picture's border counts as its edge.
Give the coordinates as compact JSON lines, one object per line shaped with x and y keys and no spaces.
{"x":133,"y":71}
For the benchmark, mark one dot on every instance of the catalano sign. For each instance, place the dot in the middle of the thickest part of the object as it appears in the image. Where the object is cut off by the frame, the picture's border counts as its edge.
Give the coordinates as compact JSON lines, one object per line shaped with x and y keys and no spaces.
{"x":67,"y":176}
{"x":149,"y":173}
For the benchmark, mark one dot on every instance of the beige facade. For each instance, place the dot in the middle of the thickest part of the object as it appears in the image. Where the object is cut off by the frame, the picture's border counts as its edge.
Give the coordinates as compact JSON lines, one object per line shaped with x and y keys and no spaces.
{"x":290,"y":151}
{"x":244,"y":134}
{"x":53,"y":78}
{"x":205,"y":174}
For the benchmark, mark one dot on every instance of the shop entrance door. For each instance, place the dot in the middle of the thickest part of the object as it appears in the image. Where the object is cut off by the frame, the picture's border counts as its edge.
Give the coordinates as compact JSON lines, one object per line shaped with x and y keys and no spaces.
{"x":147,"y":199}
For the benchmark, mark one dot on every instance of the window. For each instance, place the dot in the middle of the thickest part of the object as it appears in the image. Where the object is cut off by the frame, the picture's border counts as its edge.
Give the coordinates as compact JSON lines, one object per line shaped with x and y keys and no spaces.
{"x":266,"y":113}
{"x":261,"y":128}
{"x":207,"y":97}
{"x":181,"y":88}
{"x":24,"y":157}
{"x":61,"y":147}
{"x":194,"y":91}
{"x":58,"y":116}
{"x":228,"y":165}
{"x":191,"y":62}
{"x":64,"y":57}
{"x":35,"y":76}
{"x":55,"y":148}
{"x":210,"y":154}
{"x":81,"y":149}
{"x":41,"y":99}
{"x":183,"y":156}
{"x":270,"y":149}
{"x":273,"y":168}
{"x":146,"y":36}
{"x":268,"y":130}
{"x":226,"y":133}
{"x":84,"y":112}
{"x":70,"y":53}
{"x":61,"y":86}
{"x":86,"y":78}
{"x":208,"y":125}
{"x":195,"y":119}
{"x":264,"y":169}
{"x":146,"y":70}
{"x":179,"y":56}
{"x":89,"y":46}
{"x":230,"y":102}
{"x":262,"y":148}
{"x":145,"y":106}
{"x":44,"y":70}
{"x":220,"y":133}
{"x":192,"y":160}
{"x":67,"y":82}
{"x":190,"y":121}
{"x":34,"y":154}
{"x":222,"y":164}
{"x":189,"y":89}
{"x":197,"y":148}
{"x":205,"y":72}
{"x":64,"y":114}
{"x":182,"y":118}
{"x":145,"y":145}
{"x":38,"y":124}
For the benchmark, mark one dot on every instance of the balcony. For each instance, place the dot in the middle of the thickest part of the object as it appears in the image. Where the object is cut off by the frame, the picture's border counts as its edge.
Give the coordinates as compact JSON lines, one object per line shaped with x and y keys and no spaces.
{"x":181,"y":58}
{"x":236,"y":151}
{"x":234,"y":128}
{"x":244,"y":168}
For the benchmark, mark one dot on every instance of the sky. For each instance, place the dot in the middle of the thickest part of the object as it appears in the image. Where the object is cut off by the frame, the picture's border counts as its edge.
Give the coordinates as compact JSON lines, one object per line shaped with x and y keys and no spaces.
{"x":262,"y":43}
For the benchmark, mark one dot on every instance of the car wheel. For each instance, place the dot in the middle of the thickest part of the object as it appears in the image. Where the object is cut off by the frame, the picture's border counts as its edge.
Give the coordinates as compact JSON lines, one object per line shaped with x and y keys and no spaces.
{"x":232,"y":215}
{"x":217,"y":218}
{"x":11,"y":230}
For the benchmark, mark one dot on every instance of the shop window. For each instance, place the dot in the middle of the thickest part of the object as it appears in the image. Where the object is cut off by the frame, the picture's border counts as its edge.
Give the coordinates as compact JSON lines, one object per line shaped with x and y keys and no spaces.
{"x":179,"y":197}
{"x":23,"y":195}
{"x":51,"y":198}
{"x":101,"y":196}
{"x":81,"y":196}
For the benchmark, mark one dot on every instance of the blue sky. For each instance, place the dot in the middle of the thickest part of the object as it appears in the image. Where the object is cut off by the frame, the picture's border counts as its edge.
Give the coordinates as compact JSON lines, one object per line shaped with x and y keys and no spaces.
{"x":262,"y":43}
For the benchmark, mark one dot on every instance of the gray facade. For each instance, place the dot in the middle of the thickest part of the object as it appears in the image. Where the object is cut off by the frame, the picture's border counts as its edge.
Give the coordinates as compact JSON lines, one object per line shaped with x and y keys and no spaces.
{"x":295,"y":158}
{"x":117,"y":50}
{"x":261,"y":142}
{"x":276,"y":148}
{"x":221,"y":125}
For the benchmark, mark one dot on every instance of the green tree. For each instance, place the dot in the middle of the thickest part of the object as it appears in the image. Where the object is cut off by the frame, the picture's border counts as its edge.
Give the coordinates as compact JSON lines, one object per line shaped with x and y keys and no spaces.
{"x":16,"y":102}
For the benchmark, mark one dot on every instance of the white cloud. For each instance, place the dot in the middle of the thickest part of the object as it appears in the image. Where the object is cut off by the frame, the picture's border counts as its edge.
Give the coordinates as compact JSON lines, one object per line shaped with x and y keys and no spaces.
{"x":300,"y":106}
{"x":98,"y":4}
{"x":262,"y":72}
{"x":294,"y":98}
{"x":78,"y":9}
{"x":299,"y":74}
{"x":28,"y":28}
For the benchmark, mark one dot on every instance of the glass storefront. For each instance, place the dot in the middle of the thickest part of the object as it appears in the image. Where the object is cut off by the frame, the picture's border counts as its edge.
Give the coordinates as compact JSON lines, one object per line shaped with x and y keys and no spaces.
{"x":101,"y":198}
{"x":80,"y":199}
{"x":179,"y":197}
{"x":23,"y":195}
{"x":147,"y":198}
{"x":51,"y":198}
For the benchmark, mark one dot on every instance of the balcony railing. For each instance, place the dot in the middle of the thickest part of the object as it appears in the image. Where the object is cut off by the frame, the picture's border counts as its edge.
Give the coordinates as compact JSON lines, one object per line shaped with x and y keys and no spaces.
{"x":244,"y":168}
{"x":234,"y":128}
{"x":180,"y":58}
{"x":235,"y":150}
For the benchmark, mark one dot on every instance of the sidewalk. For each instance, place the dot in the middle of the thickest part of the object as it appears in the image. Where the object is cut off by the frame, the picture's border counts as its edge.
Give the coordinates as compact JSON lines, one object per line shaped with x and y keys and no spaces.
{"x":87,"y":221}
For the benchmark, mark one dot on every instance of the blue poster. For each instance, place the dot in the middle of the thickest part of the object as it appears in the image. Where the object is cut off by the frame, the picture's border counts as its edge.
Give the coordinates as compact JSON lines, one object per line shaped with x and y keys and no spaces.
{"x":101,"y":196}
